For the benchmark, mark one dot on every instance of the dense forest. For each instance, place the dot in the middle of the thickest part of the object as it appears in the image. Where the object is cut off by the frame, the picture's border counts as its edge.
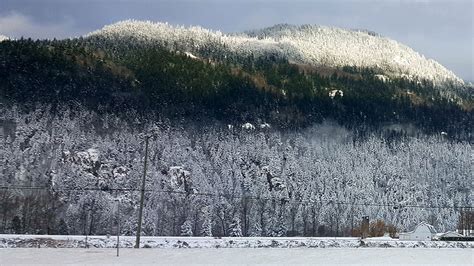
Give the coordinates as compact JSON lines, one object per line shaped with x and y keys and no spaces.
{"x":66,"y":171}
{"x":243,"y":144}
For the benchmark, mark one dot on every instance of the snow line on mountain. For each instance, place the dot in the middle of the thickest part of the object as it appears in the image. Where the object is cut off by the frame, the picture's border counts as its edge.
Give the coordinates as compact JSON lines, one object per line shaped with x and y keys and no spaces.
{"x":309,"y":44}
{"x":67,"y":241}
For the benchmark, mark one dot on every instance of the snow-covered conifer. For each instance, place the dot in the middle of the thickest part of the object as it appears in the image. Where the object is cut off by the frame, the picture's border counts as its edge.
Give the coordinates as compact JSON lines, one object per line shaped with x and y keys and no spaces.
{"x":187,"y":228}
{"x":235,"y":228}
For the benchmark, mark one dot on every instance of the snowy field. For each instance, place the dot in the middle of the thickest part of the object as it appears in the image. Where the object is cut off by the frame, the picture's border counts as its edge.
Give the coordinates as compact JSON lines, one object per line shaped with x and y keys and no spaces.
{"x":242,"y":256}
{"x":60,"y":250}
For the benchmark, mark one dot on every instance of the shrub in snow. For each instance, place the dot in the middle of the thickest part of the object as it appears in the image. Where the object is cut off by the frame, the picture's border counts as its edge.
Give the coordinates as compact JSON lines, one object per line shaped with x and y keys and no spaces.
{"x":377,"y":228}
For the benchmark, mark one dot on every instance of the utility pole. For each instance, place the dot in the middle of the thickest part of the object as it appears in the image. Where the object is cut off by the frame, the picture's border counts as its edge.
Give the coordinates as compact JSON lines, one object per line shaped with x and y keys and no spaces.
{"x":140,"y":211}
{"x":118,"y":226}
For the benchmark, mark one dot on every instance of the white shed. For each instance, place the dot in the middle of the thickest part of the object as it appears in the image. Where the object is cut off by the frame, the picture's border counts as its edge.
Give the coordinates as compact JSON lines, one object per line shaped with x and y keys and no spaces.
{"x":422,"y":232}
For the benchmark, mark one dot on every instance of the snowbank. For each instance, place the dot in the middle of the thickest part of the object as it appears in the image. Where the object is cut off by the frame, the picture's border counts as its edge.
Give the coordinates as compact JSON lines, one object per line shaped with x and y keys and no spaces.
{"x":58,"y":241}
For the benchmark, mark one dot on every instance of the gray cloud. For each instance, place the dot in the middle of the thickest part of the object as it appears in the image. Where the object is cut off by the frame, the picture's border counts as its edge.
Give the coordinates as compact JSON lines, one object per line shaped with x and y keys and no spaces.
{"x":17,"y":25}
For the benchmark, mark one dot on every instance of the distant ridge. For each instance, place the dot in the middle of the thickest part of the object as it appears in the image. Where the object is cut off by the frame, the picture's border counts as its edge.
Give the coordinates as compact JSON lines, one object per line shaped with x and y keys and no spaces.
{"x":308,"y":44}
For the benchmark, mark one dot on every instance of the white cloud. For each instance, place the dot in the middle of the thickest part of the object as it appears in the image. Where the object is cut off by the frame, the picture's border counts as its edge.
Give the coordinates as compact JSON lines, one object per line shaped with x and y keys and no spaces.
{"x":17,"y":25}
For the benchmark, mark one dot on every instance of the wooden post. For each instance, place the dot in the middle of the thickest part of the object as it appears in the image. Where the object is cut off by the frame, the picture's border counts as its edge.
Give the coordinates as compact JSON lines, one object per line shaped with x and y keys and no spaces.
{"x":364,"y":228}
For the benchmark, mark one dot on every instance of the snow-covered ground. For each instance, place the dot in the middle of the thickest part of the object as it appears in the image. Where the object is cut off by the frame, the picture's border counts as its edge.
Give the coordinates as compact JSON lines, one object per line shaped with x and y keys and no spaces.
{"x":53,"y":241}
{"x":242,"y":256}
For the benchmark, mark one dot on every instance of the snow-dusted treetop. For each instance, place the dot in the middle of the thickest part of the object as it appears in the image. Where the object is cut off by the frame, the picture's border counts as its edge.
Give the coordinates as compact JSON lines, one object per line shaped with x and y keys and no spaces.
{"x":3,"y":38}
{"x":315,"y":45}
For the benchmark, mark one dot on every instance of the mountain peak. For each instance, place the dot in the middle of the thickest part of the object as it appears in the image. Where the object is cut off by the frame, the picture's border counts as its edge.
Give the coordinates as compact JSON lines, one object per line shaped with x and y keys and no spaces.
{"x":307,"y":44}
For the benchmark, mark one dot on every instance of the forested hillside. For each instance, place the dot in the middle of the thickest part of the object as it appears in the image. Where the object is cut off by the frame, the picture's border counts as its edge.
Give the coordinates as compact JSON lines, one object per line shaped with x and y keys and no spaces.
{"x":247,"y":140}
{"x":153,"y":81}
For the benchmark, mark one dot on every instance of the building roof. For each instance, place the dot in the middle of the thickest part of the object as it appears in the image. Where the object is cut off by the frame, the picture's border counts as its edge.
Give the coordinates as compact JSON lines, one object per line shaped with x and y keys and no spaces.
{"x":430,"y":227}
{"x":450,"y":234}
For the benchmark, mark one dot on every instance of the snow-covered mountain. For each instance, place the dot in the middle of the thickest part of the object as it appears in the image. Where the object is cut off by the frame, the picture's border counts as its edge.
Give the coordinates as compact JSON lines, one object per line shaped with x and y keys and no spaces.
{"x":308,"y":44}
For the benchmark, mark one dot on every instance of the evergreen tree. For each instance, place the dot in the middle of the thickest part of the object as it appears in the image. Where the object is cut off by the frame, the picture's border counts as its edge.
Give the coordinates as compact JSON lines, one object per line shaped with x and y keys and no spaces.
{"x":235,"y":229}
{"x":17,"y":227}
{"x":256,"y":230}
{"x":206,"y":229}
{"x":187,"y":228}
{"x":281,"y":227}
{"x":63,"y":229}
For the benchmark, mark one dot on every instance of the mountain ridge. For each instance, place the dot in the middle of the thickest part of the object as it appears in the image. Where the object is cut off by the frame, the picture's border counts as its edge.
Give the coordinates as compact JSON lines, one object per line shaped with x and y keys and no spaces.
{"x":310,"y":44}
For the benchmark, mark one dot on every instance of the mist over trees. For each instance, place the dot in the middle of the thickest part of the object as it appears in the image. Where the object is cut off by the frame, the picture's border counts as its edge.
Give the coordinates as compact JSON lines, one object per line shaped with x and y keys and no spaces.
{"x":219,"y":180}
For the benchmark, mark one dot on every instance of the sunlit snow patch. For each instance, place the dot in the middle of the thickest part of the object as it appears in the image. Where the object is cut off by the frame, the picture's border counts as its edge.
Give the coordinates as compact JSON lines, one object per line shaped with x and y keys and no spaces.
{"x":248,"y":126}
{"x":333,"y":93}
{"x":382,"y":78}
{"x":190,"y":55}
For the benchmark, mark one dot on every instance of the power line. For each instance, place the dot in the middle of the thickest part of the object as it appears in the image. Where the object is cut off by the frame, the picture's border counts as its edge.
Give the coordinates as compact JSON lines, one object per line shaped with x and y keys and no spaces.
{"x":227,"y":195}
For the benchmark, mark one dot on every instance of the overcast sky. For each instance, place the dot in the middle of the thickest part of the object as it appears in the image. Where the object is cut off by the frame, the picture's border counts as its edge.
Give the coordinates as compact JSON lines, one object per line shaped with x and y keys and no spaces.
{"x":439,"y":29}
